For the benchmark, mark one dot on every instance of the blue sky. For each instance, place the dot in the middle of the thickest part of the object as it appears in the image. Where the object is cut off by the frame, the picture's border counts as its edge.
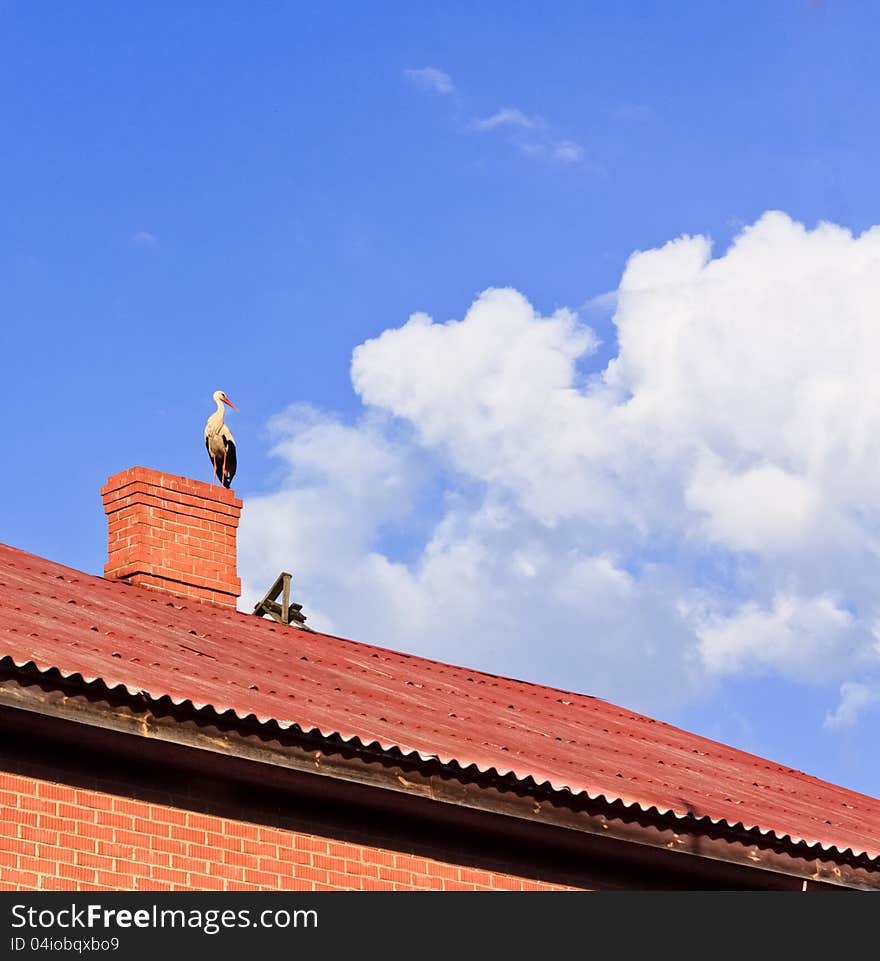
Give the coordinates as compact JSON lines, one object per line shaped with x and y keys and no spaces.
{"x":242,"y":196}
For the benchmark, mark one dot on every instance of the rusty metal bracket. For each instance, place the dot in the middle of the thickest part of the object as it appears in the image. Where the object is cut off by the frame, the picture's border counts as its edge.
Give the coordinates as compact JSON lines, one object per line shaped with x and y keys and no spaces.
{"x":287,"y":612}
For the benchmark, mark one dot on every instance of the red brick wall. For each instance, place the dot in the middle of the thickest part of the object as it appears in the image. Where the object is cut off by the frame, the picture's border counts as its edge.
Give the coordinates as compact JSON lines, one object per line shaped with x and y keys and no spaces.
{"x":59,"y":837}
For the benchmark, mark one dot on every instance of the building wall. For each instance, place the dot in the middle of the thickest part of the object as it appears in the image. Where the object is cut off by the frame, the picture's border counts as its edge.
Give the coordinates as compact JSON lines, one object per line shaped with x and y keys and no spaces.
{"x":63,"y":837}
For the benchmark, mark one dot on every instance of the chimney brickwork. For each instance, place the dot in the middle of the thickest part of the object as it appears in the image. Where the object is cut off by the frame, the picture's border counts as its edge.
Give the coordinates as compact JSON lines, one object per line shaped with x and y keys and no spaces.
{"x":172,"y":533}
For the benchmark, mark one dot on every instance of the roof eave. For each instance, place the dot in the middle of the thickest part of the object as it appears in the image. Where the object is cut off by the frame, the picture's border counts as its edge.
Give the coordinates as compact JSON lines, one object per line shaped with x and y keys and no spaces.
{"x":370,"y":766}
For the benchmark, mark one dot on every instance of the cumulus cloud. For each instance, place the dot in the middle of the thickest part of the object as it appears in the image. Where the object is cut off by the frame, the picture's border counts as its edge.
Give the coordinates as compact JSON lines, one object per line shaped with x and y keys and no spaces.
{"x":855,"y":699}
{"x":493,"y":392}
{"x":762,"y":508}
{"x":430,"y":78}
{"x":798,"y":636}
{"x":702,"y":506}
{"x":342,"y":486}
{"x":144,"y":238}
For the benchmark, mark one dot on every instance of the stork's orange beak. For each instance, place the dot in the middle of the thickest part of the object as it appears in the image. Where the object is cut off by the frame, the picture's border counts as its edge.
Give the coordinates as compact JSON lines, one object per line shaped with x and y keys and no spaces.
{"x":226,"y":400}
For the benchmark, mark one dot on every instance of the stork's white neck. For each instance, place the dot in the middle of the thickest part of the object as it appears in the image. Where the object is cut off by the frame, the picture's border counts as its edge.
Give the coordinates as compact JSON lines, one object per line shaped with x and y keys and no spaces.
{"x":220,"y":408}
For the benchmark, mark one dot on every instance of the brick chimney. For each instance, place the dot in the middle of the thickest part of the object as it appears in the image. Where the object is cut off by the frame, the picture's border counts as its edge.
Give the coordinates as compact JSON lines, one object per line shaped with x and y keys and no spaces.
{"x":172,"y":533}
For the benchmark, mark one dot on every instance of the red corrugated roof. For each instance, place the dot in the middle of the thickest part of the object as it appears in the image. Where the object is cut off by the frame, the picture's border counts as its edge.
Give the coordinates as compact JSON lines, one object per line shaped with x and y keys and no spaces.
{"x":151,"y":642}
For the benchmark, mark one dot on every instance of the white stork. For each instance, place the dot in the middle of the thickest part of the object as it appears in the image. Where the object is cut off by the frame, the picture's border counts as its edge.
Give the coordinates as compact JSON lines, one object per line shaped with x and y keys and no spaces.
{"x":220,"y":442}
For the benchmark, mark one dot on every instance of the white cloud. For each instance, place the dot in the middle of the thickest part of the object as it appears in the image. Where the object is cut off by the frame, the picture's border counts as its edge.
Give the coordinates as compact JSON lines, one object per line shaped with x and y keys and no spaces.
{"x":796,"y":635}
{"x":760,"y":508}
{"x":705,"y":505}
{"x":507,"y":117}
{"x":430,"y":78}
{"x":855,"y":699}
{"x":493,"y":392}
{"x":144,"y":237}
{"x":601,"y":304}
{"x":342,"y":485}
{"x":541,"y":144}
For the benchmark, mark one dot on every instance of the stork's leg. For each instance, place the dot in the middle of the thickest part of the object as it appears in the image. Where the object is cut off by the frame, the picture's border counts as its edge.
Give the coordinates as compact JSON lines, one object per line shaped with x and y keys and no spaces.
{"x":223,"y":475}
